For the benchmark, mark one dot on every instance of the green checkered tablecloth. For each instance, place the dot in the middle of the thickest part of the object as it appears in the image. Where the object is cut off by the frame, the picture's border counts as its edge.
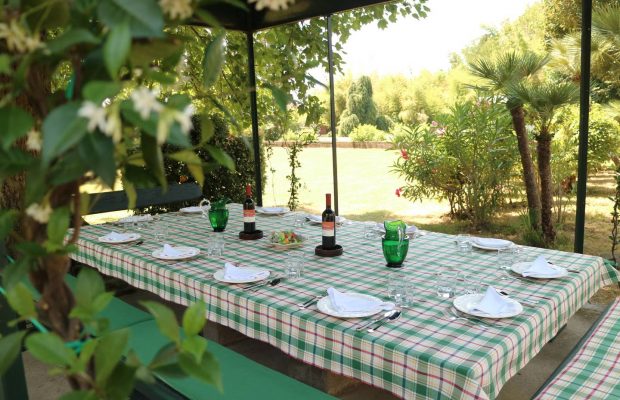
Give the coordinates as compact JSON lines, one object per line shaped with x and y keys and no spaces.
{"x":422,"y":355}
{"x":592,"y":371}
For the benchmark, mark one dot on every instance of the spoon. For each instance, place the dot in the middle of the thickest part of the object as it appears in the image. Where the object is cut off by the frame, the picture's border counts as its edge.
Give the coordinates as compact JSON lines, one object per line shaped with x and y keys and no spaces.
{"x":365,"y":325}
{"x":392,"y":317}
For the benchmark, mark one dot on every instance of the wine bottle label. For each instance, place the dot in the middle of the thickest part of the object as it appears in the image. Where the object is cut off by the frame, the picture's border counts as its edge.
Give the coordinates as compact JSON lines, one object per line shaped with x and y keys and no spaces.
{"x":329,"y":228}
{"x":249,"y":215}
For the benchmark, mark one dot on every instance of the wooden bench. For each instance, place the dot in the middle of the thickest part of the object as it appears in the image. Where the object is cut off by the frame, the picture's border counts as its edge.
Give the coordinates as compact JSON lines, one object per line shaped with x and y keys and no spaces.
{"x":592,"y":369}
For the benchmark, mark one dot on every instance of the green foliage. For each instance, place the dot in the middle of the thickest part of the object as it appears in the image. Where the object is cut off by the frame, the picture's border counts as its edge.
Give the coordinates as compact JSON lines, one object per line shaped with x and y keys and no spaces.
{"x":367,"y":133}
{"x":347,"y":123}
{"x":294,"y":147}
{"x":467,"y":157}
{"x":384,"y":123}
{"x":10,"y":348}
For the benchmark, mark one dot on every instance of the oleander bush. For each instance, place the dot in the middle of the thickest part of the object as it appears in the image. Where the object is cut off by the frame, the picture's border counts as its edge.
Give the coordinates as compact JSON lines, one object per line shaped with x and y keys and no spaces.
{"x":467,"y":156}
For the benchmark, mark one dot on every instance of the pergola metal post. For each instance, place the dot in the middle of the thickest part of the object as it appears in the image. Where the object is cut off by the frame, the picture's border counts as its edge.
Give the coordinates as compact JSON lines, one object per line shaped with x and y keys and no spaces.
{"x":258,"y":189}
{"x":584,"y":110}
{"x":332,"y":110}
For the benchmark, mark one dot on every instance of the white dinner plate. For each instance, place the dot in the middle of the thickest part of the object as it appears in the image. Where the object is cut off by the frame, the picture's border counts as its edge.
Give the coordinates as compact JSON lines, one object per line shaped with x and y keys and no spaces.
{"x":261,"y":275}
{"x":136,"y":218}
{"x":501,"y":244}
{"x":126,"y":238}
{"x":272,"y":210}
{"x":325,"y":306}
{"x":467,"y":302}
{"x":186,"y":252}
{"x":193,"y":210}
{"x":522,"y":266}
{"x":317,"y":219}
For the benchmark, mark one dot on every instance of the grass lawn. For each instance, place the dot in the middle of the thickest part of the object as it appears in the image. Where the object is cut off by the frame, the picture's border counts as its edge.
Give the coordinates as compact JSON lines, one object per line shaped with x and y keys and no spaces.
{"x":366,"y":192}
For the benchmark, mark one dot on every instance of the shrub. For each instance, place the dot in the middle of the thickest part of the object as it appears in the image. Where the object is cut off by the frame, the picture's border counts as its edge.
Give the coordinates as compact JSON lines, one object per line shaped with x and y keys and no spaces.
{"x":367,"y":133}
{"x":348,"y":122}
{"x":305,"y":134}
{"x":467,"y":157}
{"x":384,"y":123}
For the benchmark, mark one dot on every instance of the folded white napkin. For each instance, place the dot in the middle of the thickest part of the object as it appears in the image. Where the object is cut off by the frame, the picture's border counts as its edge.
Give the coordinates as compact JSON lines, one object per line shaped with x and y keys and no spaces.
{"x":343,"y":302}
{"x":541,"y":268}
{"x":136,"y":218}
{"x":493,"y":303}
{"x":493,"y":243}
{"x":233,"y":272}
{"x":170,"y":251}
{"x":115,"y":236}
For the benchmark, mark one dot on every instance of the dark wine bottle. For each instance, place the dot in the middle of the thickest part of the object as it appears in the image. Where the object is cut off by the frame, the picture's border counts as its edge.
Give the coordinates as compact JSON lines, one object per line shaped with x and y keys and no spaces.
{"x":249,"y":212}
{"x":329,"y":224}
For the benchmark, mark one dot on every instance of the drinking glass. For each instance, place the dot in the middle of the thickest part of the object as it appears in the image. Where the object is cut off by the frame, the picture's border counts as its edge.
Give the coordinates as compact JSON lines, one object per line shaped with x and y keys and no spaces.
{"x":218,"y":219}
{"x":370,"y":230}
{"x":446,"y":281}
{"x":395,"y":251}
{"x":463,"y":243}
{"x":215,"y":246}
{"x":294,"y":265}
{"x":468,"y":284}
{"x":397,"y":287}
{"x":160,"y":232}
{"x":300,"y":220}
{"x":505,"y":258}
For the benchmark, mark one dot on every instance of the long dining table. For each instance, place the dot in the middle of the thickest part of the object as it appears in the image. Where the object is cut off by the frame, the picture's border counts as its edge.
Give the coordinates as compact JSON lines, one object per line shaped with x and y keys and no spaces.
{"x":424,"y":354}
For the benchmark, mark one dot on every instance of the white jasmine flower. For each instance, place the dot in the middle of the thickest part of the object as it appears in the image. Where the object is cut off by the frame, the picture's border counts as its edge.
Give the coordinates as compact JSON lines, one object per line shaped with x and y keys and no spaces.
{"x":166,"y":118}
{"x":145,"y":101}
{"x":40,"y":213}
{"x":34,"y":140}
{"x":95,"y":115}
{"x":177,"y":9}
{"x":274,"y":5}
{"x":184,"y":118}
{"x":17,"y":39}
{"x":113,"y":126}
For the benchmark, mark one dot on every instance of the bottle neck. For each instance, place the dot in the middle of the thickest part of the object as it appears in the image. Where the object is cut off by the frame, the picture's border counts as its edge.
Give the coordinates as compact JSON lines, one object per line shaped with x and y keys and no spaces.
{"x":328,"y":201}
{"x":248,"y":191}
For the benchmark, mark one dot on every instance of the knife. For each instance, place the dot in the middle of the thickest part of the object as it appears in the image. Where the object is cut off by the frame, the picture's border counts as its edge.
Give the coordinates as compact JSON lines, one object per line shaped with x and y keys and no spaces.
{"x":272,"y":282}
{"x":374,"y":321}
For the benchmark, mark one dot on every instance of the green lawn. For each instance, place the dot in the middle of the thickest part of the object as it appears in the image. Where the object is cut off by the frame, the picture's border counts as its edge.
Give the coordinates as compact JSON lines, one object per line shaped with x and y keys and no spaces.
{"x":366,"y":189}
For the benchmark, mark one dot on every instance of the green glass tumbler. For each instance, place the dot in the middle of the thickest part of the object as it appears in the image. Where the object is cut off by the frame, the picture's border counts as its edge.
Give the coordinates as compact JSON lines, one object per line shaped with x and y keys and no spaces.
{"x":394,"y":230}
{"x":218,"y":219}
{"x":395,"y":251}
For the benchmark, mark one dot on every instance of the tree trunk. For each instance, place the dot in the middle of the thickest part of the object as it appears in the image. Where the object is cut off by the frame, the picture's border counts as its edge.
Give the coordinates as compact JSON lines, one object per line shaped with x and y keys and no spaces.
{"x":546,"y":190}
{"x":529,"y":177}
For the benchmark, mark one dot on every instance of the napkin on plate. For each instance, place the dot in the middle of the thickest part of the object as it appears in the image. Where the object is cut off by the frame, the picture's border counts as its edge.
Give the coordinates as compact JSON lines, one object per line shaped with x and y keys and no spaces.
{"x":492,"y":243}
{"x":136,"y":218}
{"x":493,"y":303}
{"x":319,"y":219}
{"x":232,"y":272}
{"x":343,"y":302}
{"x":170,"y":251}
{"x":540,"y":268}
{"x":115,"y":236}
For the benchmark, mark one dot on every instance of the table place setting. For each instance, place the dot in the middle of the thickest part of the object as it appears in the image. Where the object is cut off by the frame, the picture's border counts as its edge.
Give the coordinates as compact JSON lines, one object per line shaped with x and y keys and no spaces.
{"x":351,"y":305}
{"x":540,"y":268}
{"x":132,"y":219}
{"x":318,"y":219}
{"x":272,"y":210}
{"x":168,"y":252}
{"x":119,"y":238}
{"x":491,"y":304}
{"x":490,"y":243}
{"x":232,"y":273}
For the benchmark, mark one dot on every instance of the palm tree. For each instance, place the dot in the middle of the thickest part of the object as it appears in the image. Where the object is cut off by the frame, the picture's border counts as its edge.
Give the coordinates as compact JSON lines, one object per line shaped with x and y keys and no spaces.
{"x":545,"y":99}
{"x":507,"y":70}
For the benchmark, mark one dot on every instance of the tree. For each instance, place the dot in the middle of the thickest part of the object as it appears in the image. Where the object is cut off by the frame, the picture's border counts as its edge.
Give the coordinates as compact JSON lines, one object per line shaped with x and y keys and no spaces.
{"x":506,"y":71}
{"x":545,"y":99}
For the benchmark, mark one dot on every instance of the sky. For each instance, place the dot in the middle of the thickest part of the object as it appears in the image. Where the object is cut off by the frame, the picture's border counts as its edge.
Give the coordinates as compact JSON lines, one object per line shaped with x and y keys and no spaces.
{"x":410,"y":46}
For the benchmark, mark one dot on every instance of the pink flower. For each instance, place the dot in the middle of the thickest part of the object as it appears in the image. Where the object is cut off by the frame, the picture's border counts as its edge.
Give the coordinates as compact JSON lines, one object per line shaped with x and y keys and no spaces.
{"x":440,"y":132}
{"x":404,"y":154}
{"x":434,"y":124}
{"x":398,"y":192}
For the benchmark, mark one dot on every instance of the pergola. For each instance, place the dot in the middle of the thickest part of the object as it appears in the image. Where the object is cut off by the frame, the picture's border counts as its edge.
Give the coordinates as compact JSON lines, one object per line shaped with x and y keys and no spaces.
{"x":249,"y":21}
